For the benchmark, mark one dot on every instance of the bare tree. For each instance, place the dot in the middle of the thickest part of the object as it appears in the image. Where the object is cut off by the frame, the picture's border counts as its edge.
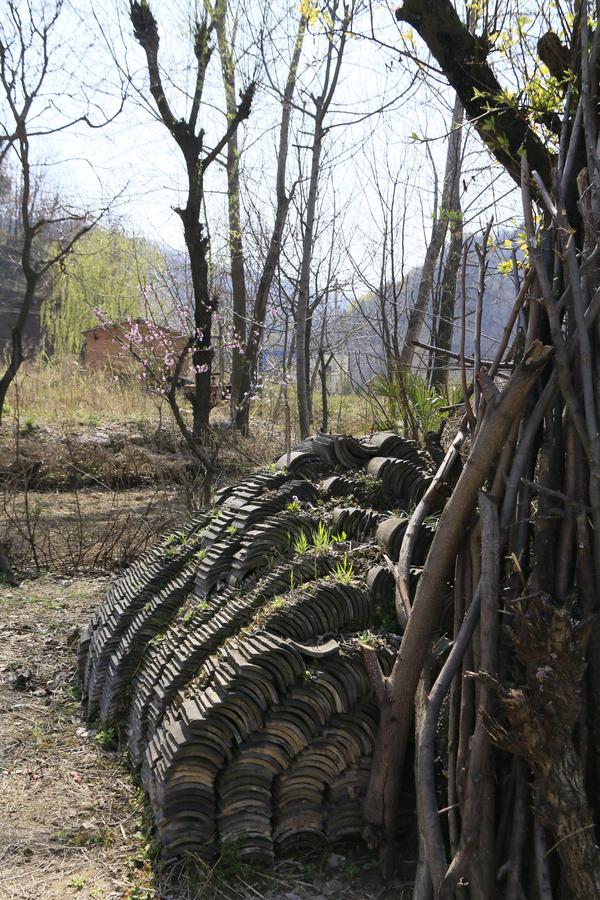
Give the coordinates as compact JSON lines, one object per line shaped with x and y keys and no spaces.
{"x":444,"y":314}
{"x":441,"y":219}
{"x":339,"y":18}
{"x":249,"y":320}
{"x":47,"y":232}
{"x":380,"y":296}
{"x":189,"y":136}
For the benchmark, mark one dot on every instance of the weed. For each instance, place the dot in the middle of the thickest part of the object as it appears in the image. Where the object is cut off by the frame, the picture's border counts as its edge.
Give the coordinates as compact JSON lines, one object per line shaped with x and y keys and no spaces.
{"x":344,"y":571}
{"x":322,"y":538}
{"x":72,"y":691}
{"x":82,"y":837}
{"x":410,"y":401}
{"x":139,"y":892}
{"x":28,"y":426}
{"x":77,"y":882}
{"x":200,"y":554}
{"x":294,"y":505}
{"x":157,"y":639}
{"x":301,"y":544}
{"x":339,"y":538}
{"x":188,"y":616}
{"x":107,"y":739}
{"x":202,"y":606}
{"x":90,"y":419}
{"x":38,"y":735}
{"x":171,"y":545}
{"x":174,"y":543}
{"x":231,"y":529}
{"x":366,"y":637}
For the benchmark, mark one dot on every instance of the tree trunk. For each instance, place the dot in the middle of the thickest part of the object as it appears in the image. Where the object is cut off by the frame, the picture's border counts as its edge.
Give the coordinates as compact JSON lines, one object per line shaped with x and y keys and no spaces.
{"x":235,"y":240}
{"x":302,"y":308}
{"x":248,"y":328}
{"x":445,"y":326}
{"x":190,"y":141}
{"x":323,"y":366}
{"x":438,"y":235}
{"x":322,"y":103}
{"x":197,"y":247}
{"x":462,"y":56}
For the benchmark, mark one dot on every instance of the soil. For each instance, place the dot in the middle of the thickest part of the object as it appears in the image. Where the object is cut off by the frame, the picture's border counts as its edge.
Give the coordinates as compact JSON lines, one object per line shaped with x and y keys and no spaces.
{"x":85,"y":530}
{"x":91,"y":498}
{"x":118,"y":456}
{"x":73,"y":822}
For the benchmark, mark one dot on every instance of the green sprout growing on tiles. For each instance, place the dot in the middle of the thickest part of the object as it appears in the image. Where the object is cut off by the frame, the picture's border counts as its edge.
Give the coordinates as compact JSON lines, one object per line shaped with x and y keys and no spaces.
{"x":344,"y":571}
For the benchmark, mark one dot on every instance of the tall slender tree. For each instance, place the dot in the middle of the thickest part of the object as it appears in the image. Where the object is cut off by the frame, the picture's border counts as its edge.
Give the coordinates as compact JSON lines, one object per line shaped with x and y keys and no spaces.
{"x":442,"y":218}
{"x":249,"y":315}
{"x":337,"y":21}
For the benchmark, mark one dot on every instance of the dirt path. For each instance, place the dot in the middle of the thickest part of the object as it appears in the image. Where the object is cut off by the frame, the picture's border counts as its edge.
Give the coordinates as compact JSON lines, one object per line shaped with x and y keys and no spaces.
{"x":71,"y":816}
{"x":72,"y":822}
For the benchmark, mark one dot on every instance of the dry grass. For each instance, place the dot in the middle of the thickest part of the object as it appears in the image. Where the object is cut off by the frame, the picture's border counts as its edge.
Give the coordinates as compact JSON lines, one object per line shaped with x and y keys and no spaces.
{"x":93,"y":468}
{"x":70,"y":813}
{"x":348,"y":413}
{"x":82,"y":531}
{"x":68,"y":393}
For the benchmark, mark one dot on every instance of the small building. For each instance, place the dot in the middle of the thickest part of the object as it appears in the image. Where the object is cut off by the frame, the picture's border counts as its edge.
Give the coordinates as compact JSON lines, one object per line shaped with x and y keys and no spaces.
{"x":106,"y":346}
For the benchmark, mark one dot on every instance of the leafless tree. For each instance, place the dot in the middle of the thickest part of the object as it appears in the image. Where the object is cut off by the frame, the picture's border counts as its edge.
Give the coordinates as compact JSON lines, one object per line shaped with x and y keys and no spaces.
{"x":249,"y":318}
{"x":442,"y":216}
{"x":189,"y":136}
{"x":339,"y":19}
{"x":47,"y":231}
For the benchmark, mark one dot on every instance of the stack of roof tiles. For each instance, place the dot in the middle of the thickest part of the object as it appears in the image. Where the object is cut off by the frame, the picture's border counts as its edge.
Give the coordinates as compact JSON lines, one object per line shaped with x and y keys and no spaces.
{"x":232,"y":650}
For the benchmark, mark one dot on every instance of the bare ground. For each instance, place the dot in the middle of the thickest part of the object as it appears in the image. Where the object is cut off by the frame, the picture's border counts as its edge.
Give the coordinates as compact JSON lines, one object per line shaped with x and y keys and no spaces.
{"x":73,"y":822}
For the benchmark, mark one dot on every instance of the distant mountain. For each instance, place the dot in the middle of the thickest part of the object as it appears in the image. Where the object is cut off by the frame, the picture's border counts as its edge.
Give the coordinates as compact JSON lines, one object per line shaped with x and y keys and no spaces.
{"x":362,"y":354}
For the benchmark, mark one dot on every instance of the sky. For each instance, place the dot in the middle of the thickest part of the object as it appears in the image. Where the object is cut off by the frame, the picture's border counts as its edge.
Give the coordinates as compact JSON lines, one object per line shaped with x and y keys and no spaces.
{"x":133,"y":164}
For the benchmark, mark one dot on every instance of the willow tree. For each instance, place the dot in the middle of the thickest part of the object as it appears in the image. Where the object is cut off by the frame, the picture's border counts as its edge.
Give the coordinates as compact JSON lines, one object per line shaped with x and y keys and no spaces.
{"x":514,"y":808}
{"x":107,"y":269}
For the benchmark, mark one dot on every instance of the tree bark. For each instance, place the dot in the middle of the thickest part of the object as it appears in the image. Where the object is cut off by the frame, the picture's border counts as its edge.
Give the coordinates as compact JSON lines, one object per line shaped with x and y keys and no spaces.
{"x":537,"y":724}
{"x":438,"y":235}
{"x":445,"y":326}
